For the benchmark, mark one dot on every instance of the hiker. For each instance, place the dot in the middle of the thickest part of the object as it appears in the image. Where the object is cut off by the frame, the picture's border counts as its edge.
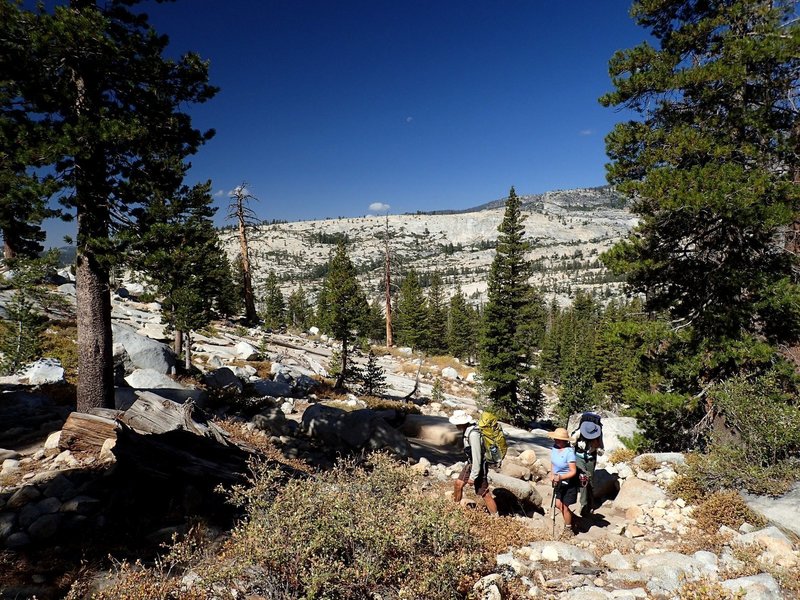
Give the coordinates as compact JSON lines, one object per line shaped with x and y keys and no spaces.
{"x":564,"y":476}
{"x":476,"y":471}
{"x":587,"y":447}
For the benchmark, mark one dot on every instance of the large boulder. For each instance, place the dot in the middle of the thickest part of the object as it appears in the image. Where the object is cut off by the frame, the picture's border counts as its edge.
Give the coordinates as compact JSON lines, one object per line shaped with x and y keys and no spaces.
{"x":245,"y":351}
{"x":782,"y":510}
{"x":143,"y":352}
{"x":224,"y":379}
{"x":44,"y":371}
{"x":437,"y":431}
{"x":450,"y":373}
{"x":635,"y":492}
{"x":158,"y":383}
{"x":273,"y":421}
{"x":359,"y":429}
{"x":266,"y":387}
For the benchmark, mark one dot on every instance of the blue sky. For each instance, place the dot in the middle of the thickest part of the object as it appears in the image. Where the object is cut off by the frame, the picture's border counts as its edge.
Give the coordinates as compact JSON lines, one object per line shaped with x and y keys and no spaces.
{"x":329,"y":106}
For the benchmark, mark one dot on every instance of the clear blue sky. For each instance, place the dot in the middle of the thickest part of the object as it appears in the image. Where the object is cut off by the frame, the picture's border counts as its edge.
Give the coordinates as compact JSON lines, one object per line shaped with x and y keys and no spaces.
{"x":328,"y":106}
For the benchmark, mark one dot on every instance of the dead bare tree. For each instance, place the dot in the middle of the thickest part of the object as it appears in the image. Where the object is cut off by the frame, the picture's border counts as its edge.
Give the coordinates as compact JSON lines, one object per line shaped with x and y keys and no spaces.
{"x":246,"y":219}
{"x":388,"y":282}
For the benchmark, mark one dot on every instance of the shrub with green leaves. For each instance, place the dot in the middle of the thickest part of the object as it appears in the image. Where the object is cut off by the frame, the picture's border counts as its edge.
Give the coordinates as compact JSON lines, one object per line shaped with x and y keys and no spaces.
{"x":666,"y":419}
{"x":352,"y":532}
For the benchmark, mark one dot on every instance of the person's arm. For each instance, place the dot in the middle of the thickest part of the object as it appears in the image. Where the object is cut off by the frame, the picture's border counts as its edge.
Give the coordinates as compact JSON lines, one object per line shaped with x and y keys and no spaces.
{"x":476,"y":450}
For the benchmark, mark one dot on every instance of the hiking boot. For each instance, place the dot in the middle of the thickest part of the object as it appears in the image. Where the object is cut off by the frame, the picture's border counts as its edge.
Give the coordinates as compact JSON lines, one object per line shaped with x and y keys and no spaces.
{"x":586,"y":511}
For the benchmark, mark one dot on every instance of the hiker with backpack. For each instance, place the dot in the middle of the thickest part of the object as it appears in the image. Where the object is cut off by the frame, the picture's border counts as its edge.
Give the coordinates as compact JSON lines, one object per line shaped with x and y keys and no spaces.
{"x":476,"y":471}
{"x":588,"y":445}
{"x":564,"y":476}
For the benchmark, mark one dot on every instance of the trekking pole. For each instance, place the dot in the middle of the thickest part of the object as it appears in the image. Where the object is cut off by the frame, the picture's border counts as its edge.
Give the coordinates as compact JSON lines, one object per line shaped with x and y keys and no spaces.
{"x":553,"y":507}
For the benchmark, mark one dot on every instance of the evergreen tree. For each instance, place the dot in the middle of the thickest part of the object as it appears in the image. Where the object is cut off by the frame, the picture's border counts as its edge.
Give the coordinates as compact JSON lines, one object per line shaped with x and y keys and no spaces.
{"x":115,"y":106}
{"x":274,"y":313}
{"x":461,"y":327}
{"x":177,"y":248}
{"x":373,"y":377}
{"x":410,"y":322}
{"x":298,"y":313}
{"x":376,"y":322}
{"x":436,"y":319}
{"x":341,"y":305}
{"x":23,"y":142}
{"x":504,"y":349}
{"x":711,"y":165}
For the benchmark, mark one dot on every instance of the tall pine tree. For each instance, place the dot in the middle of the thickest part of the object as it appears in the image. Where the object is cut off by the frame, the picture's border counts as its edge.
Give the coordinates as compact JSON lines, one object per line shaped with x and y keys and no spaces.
{"x":116,"y":108}
{"x":711,"y":164}
{"x":437,"y":316}
{"x":504,"y":343}
{"x":410,"y":322}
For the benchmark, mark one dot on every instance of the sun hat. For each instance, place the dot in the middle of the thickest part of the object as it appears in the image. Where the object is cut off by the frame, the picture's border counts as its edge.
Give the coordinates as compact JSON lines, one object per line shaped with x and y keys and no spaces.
{"x":560,"y":434}
{"x":590,"y":431}
{"x":460,"y":417}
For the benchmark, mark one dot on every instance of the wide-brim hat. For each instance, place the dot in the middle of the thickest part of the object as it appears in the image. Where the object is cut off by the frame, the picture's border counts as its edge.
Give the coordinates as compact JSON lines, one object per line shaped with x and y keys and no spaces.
{"x":590,"y":431}
{"x":560,"y":434}
{"x":461,"y":417}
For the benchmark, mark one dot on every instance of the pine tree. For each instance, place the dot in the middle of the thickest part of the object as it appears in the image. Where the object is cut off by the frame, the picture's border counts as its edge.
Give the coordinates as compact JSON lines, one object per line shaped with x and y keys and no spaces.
{"x":503,"y":345}
{"x":116,"y":107}
{"x":376,"y":322}
{"x":711,"y":164}
{"x":436,"y":318}
{"x":274,"y":313}
{"x":410,"y":321}
{"x":246,"y":219}
{"x":24,"y":146}
{"x":298,"y":310}
{"x":341,"y":305}
{"x":373,"y":377}
{"x":177,"y":248}
{"x":461,"y":327}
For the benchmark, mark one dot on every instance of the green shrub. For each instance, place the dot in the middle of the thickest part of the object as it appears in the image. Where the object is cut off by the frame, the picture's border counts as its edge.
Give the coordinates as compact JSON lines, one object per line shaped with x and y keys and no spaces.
{"x":666,"y":419}
{"x":764,"y":416}
{"x":725,"y":508}
{"x":350,"y":533}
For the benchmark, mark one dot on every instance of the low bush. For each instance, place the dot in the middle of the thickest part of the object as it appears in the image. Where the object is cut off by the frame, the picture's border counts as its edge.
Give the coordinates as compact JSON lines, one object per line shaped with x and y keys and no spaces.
{"x":706,"y":589}
{"x":620,"y":455}
{"x":725,"y":508}
{"x":686,"y":487}
{"x":666,"y":419}
{"x":60,"y":341}
{"x":648,"y":463}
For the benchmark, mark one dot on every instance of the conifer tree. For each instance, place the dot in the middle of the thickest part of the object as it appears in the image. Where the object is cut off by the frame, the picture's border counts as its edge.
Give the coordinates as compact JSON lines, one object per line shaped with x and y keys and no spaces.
{"x":298,"y":310}
{"x":373,"y":377}
{"x":341,"y":305}
{"x":711,"y":164}
{"x":116,"y":108}
{"x":274,"y":313}
{"x":503,"y":345}
{"x":246,"y":219}
{"x":410,"y":322}
{"x":436,"y":318}
{"x":177,"y":248}
{"x":461,"y":327}
{"x":375,"y":329}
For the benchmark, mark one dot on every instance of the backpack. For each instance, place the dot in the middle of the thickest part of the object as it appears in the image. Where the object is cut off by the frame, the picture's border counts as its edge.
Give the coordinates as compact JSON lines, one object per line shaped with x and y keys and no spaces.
{"x":589,"y":417}
{"x":492,"y":438}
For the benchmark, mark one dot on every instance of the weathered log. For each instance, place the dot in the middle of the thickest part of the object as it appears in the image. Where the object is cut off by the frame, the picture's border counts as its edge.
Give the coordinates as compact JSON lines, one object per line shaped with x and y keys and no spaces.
{"x":84,"y":432}
{"x":155,"y":415}
{"x":181,"y":454}
{"x":524,"y":491}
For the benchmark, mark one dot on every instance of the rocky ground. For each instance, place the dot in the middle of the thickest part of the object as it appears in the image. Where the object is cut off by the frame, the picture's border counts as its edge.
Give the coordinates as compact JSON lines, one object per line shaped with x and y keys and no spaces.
{"x":64,"y":504}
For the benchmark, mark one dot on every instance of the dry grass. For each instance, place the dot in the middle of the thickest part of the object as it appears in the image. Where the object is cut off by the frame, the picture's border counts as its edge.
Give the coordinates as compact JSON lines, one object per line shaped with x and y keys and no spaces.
{"x":686,"y":487}
{"x":621,"y":455}
{"x":259,"y":441}
{"x":695,"y":540}
{"x":705,"y":589}
{"x":648,"y":463}
{"x":60,"y":341}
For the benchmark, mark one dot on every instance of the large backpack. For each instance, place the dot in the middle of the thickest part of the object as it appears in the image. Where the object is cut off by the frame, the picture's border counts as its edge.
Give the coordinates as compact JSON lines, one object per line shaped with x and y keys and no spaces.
{"x":590,"y":417}
{"x":492,"y":438}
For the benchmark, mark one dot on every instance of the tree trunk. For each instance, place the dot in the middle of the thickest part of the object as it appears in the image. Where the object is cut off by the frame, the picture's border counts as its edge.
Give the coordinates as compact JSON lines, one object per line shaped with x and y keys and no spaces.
{"x":247,"y":278}
{"x":340,"y":379}
{"x":8,"y":251}
{"x":84,"y":432}
{"x":177,"y":343}
{"x":388,"y":281}
{"x":95,"y":356}
{"x":187,"y":363}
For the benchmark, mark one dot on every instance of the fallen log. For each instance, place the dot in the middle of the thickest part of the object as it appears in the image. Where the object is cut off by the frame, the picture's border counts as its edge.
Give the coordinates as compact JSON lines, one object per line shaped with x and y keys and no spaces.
{"x":181,"y":455}
{"x":84,"y":432}
{"x":154,"y":415}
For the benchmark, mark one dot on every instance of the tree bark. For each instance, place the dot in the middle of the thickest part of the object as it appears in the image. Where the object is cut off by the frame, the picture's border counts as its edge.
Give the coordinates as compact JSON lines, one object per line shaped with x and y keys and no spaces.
{"x":177,"y":343}
{"x":388,"y":281}
{"x":187,"y":363}
{"x":95,"y":356}
{"x":8,"y":251}
{"x":85,"y":432}
{"x":340,"y":379}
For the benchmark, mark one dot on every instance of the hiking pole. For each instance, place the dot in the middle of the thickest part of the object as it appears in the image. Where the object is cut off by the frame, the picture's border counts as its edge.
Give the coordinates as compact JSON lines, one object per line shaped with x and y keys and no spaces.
{"x":553,"y":507}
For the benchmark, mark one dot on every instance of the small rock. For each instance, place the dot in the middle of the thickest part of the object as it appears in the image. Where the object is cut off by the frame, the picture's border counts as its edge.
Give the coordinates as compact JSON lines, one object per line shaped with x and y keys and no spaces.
{"x":23,"y":496}
{"x":52,"y":441}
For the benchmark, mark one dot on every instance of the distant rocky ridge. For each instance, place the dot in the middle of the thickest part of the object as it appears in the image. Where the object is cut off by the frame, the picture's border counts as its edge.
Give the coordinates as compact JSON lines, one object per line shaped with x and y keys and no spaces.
{"x":567,"y":229}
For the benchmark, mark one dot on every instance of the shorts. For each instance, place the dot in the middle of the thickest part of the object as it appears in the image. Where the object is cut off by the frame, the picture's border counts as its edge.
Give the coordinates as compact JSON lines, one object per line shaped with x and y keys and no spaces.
{"x":481,"y":483}
{"x":567,"y":491}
